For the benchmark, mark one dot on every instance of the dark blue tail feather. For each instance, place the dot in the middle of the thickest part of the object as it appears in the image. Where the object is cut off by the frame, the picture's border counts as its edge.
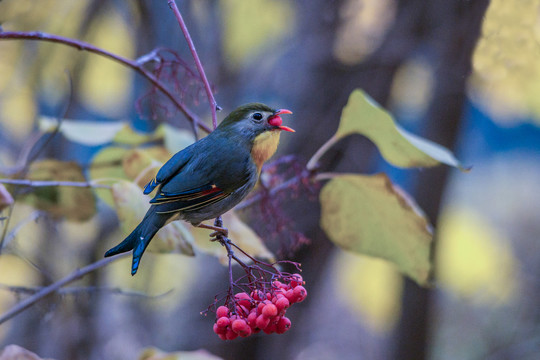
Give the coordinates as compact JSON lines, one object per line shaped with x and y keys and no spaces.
{"x":139,"y":238}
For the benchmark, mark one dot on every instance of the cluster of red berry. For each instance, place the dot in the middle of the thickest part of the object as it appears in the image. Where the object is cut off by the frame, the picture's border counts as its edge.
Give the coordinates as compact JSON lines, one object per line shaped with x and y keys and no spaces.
{"x":260,"y":311}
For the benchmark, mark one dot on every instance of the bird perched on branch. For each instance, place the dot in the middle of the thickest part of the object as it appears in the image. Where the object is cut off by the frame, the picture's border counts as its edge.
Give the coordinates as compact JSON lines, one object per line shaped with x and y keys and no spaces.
{"x":209,"y":177}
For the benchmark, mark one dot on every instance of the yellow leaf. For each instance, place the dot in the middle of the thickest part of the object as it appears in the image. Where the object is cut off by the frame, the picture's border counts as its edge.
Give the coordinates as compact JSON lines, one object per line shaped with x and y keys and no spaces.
{"x":5,"y":198}
{"x":506,"y":76}
{"x":363,"y":116}
{"x":367,"y":215}
{"x":371,"y":288}
{"x":73,"y":203}
{"x":105,"y":86}
{"x":240,"y":233}
{"x":117,"y":163}
{"x":251,"y":26}
{"x":473,"y":260}
{"x":89,"y":133}
{"x":128,"y":136}
{"x":131,"y":206}
{"x":156,"y":354}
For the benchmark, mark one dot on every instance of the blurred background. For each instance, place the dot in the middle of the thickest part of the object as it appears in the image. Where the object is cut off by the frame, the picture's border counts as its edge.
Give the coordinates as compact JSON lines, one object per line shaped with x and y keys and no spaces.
{"x":464,"y":74}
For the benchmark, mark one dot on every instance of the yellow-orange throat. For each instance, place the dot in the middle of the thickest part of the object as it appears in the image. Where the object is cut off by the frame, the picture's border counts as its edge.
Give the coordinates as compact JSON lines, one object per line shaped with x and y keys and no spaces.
{"x":264,"y":146}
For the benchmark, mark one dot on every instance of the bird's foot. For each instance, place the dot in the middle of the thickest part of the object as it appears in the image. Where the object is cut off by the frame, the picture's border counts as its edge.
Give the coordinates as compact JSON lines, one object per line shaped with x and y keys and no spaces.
{"x":217,"y":230}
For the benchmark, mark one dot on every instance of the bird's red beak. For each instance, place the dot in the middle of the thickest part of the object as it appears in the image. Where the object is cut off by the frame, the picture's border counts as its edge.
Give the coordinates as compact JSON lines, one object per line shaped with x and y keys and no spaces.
{"x":275,"y":120}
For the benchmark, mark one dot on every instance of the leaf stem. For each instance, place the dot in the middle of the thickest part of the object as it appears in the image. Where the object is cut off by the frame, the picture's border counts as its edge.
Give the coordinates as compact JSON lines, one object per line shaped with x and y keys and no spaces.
{"x":313,"y":162}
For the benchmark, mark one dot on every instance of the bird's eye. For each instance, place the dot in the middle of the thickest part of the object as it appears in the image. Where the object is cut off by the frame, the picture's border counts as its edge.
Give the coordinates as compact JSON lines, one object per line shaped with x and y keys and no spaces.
{"x":257,"y":116}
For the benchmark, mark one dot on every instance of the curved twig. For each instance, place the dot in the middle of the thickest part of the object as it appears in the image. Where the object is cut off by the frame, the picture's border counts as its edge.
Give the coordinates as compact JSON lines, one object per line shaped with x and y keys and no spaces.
{"x":133,"y":64}
{"x":75,"y":275}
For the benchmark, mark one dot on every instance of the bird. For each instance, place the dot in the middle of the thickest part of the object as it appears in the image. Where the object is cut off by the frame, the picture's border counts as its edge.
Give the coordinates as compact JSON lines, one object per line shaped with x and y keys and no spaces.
{"x":209,"y":177}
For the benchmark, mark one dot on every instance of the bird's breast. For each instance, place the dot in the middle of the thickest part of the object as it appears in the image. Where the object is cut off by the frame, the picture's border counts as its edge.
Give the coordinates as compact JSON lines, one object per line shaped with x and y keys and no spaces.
{"x":264,"y":146}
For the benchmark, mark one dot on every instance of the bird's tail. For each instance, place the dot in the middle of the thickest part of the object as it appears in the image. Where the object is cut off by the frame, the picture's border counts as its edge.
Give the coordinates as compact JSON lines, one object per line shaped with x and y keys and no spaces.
{"x":139,"y":238}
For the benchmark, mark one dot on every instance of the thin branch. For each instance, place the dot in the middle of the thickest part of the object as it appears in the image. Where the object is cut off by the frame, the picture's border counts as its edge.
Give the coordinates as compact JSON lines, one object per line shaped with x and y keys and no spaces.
{"x":82,"y":289}
{"x":133,"y":64}
{"x":40,"y":183}
{"x":75,"y":275}
{"x":209,"y":94}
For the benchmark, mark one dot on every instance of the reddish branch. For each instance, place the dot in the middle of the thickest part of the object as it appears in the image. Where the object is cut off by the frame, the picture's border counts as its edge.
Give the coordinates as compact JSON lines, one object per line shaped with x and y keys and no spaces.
{"x":133,"y":64}
{"x":191,"y":45}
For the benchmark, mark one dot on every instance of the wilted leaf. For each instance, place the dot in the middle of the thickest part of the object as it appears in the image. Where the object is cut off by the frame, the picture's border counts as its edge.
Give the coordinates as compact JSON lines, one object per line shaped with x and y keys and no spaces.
{"x":363,"y":116}
{"x":15,"y":352}
{"x":131,"y":205}
{"x":73,"y":203}
{"x":240,"y":233}
{"x":90,"y":133}
{"x":5,"y":198}
{"x":365,"y":214}
{"x":156,"y":354}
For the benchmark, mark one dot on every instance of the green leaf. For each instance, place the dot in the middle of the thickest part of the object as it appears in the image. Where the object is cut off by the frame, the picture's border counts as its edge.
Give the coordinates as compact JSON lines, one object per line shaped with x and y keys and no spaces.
{"x":73,"y":203}
{"x":363,"y":116}
{"x":131,"y":206}
{"x":369,"y":215}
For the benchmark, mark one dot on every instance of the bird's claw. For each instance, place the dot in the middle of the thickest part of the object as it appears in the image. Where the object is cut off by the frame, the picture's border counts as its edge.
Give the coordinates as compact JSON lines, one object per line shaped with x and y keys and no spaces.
{"x":220,"y":231}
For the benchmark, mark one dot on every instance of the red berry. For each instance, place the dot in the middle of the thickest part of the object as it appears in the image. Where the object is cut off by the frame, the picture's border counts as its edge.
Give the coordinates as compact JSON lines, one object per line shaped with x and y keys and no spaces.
{"x":283,"y":325}
{"x":277,"y":283}
{"x":300,"y":293}
{"x":242,"y":311}
{"x":222,"y":336}
{"x":270,"y":310}
{"x":260,"y":308}
{"x":216,"y":329}
{"x":282,"y":304}
{"x":252,"y":319}
{"x":231,"y":335}
{"x":243,"y":299}
{"x":296,"y":280}
{"x":223,"y":322}
{"x":290,"y":296}
{"x":241,"y":327}
{"x":222,"y":311}
{"x":256,"y":295}
{"x":271,"y":328}
{"x":262,"y":321}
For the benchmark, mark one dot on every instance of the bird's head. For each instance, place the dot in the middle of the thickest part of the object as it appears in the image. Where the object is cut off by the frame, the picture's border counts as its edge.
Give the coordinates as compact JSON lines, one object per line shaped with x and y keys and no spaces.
{"x":259,"y":126}
{"x":253,"y":119}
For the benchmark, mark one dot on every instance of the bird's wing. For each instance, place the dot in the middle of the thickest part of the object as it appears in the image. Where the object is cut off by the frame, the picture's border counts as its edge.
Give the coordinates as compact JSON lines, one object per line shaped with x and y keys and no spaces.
{"x":169,"y":169}
{"x":188,"y":200}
